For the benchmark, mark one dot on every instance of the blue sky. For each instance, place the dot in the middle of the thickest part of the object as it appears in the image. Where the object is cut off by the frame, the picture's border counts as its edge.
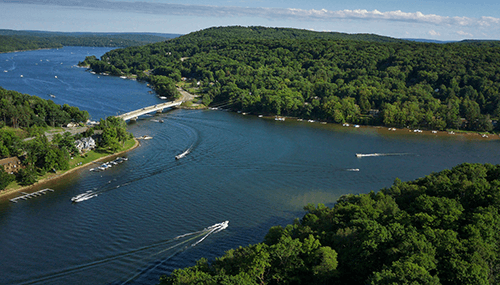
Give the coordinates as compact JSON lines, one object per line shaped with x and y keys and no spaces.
{"x":440,"y":20}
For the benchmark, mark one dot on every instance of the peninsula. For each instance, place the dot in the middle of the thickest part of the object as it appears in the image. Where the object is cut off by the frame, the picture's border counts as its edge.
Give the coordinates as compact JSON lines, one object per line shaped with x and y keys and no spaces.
{"x":35,"y":148}
{"x":332,"y":77}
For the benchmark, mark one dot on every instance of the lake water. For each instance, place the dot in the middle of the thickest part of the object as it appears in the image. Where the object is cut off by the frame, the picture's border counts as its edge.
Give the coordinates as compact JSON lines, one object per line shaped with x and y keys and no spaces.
{"x":253,"y":172}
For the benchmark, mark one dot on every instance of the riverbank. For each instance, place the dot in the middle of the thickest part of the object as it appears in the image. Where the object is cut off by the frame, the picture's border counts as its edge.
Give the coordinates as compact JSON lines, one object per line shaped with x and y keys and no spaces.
{"x":54,"y":176}
{"x":459,"y":134}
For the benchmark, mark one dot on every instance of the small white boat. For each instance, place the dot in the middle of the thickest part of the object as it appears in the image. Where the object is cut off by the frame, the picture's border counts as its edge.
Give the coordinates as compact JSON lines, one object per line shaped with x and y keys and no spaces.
{"x":368,"y":154}
{"x":144,"y":137}
{"x":84,"y":196}
{"x":179,"y":156}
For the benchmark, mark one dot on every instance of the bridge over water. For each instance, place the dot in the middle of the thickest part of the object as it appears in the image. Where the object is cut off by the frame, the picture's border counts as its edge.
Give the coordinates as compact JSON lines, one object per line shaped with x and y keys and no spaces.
{"x":133,"y":115}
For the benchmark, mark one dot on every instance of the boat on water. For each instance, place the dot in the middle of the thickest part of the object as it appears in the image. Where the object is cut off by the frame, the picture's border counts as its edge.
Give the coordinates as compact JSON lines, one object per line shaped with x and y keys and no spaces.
{"x":83,"y":196}
{"x":367,"y":154}
{"x":353,"y":169}
{"x":144,"y":137}
{"x":179,"y":156}
{"x":52,"y":95}
{"x":109,"y":164}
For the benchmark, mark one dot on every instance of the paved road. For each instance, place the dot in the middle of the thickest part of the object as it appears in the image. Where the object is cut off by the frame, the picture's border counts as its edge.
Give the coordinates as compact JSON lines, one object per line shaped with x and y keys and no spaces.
{"x":73,"y":131}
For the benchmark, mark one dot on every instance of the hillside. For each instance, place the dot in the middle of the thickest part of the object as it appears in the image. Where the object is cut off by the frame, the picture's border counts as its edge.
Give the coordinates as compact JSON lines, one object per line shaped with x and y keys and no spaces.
{"x":364,"y":79}
{"x":440,"y":229}
{"x":12,"y":40}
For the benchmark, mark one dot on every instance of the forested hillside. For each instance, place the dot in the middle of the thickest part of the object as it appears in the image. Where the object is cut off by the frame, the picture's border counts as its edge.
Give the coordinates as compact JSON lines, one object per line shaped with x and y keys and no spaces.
{"x":19,"y":110}
{"x":440,"y":229}
{"x":22,"y":116}
{"x":339,"y":78}
{"x":12,"y":40}
{"x":10,"y":43}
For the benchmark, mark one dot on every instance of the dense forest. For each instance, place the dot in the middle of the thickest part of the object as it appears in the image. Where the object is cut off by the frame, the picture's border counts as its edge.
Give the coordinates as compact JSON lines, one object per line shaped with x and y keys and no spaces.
{"x":19,"y":110}
{"x":440,"y":229}
{"x":365,"y":79}
{"x":23,"y":119}
{"x":12,"y":40}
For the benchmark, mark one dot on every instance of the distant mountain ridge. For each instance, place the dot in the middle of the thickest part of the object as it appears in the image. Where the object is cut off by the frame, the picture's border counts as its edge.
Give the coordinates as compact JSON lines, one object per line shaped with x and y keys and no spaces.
{"x":13,"y":40}
{"x":259,"y":32}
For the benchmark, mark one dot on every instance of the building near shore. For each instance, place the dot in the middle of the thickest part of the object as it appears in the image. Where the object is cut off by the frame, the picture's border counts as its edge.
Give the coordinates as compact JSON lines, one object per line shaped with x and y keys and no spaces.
{"x":85,"y":144}
{"x":11,"y":165}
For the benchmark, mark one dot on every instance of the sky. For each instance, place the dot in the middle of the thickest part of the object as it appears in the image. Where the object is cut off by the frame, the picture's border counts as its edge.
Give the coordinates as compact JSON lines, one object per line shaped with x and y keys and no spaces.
{"x":438,"y":20}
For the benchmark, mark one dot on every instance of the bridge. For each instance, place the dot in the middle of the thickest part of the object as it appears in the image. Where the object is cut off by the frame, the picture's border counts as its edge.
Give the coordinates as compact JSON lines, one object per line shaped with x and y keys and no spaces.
{"x":133,"y":115}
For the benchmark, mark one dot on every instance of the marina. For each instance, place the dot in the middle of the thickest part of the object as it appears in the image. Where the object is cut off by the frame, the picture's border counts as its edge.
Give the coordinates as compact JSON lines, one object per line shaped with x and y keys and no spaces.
{"x":109,"y":164}
{"x":26,"y":196}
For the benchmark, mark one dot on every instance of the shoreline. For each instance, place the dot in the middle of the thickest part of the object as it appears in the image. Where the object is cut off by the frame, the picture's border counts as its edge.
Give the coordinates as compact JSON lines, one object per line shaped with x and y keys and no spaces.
{"x":456,"y":134}
{"x":5,"y":193}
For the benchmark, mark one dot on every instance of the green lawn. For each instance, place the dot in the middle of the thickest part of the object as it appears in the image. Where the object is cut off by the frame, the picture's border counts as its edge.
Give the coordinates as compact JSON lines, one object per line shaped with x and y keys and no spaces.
{"x":77,"y":161}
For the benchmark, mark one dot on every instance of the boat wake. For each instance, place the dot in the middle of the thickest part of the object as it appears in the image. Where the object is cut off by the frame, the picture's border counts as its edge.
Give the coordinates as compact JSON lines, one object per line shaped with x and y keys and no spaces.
{"x":84,"y":196}
{"x":143,"y":254}
{"x":381,"y":154}
{"x":179,"y":156}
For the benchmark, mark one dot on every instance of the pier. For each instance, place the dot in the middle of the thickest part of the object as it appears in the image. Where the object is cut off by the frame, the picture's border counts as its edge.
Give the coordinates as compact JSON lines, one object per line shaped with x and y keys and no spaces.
{"x":133,"y":115}
{"x":27,"y":196}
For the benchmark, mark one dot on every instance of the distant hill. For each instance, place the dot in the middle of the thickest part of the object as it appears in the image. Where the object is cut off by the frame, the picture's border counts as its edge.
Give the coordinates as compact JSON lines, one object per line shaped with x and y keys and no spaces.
{"x":258,"y":32}
{"x":12,"y":40}
{"x":333,"y":77}
{"x":429,"y":41}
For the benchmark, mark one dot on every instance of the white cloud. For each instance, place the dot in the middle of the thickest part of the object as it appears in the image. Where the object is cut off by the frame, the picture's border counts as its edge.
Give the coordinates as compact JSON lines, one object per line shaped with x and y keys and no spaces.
{"x":433,"y":33}
{"x":462,"y":33}
{"x":268,"y":13}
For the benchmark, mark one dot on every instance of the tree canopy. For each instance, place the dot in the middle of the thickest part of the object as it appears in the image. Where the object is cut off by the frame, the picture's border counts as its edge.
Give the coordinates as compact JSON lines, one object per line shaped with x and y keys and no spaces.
{"x":440,"y":229}
{"x":19,"y":110}
{"x":335,"y":77}
{"x":22,"y":115}
{"x":12,"y":40}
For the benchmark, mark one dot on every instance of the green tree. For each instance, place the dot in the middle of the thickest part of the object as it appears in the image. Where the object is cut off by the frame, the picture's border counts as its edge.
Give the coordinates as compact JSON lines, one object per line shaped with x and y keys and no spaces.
{"x":5,"y":178}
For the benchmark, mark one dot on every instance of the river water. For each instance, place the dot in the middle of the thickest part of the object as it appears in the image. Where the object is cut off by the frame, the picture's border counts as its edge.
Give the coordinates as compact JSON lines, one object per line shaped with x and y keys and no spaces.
{"x":150,"y":213}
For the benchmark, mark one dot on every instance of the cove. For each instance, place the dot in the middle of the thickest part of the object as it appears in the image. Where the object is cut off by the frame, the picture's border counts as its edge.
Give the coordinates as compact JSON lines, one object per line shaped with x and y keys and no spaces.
{"x":250,"y":171}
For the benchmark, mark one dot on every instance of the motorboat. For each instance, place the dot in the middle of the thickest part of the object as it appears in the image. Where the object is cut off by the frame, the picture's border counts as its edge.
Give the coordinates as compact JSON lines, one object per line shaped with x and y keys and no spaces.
{"x":182,"y":154}
{"x":83,"y":196}
{"x":367,"y":154}
{"x":144,"y":137}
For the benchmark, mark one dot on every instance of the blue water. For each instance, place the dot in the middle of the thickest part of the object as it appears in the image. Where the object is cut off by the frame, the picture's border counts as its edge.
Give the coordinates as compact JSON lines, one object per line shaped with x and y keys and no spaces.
{"x":253,"y":172}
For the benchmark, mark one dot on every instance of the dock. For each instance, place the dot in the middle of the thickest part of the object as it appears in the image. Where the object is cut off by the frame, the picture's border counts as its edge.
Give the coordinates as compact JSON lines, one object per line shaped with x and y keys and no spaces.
{"x":27,"y":196}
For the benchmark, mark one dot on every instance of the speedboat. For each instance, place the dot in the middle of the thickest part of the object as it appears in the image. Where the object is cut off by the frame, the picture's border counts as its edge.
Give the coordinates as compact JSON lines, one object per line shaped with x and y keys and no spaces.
{"x":182,"y":154}
{"x":81,"y":196}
